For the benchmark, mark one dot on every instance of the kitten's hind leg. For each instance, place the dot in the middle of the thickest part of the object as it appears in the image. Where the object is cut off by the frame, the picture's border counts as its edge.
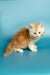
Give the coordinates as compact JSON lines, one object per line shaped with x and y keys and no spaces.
{"x":18,"y":50}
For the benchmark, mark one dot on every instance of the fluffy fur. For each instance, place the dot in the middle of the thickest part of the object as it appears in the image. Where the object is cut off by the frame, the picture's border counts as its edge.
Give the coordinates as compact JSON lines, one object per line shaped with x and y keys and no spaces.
{"x":26,"y":37}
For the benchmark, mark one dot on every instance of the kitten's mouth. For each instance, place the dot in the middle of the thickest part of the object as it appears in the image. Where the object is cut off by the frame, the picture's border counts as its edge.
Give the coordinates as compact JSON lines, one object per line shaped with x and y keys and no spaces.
{"x":37,"y":36}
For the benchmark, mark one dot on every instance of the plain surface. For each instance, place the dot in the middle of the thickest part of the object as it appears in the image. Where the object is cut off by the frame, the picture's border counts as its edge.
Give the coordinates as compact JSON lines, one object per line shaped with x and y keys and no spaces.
{"x":15,"y":14}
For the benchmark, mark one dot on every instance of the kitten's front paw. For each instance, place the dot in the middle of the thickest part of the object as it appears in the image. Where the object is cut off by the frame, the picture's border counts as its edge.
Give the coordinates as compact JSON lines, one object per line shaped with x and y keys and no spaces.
{"x":34,"y":50}
{"x":35,"y":46}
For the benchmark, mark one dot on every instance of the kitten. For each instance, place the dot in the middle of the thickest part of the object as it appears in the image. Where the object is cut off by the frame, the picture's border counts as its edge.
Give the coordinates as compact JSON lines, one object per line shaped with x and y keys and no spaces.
{"x":26,"y":37}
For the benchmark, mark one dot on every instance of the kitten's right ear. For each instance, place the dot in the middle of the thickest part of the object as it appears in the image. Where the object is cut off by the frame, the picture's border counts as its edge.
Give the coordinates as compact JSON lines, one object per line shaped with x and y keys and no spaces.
{"x":30,"y":26}
{"x":41,"y":24}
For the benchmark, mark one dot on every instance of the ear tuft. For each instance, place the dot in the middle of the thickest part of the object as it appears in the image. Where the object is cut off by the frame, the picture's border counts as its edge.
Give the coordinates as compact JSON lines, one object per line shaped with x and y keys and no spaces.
{"x":41,"y":24}
{"x":30,"y":26}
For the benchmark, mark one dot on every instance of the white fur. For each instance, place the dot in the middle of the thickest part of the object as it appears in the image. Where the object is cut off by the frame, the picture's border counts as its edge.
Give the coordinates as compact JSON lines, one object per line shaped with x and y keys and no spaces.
{"x":32,"y":47}
{"x":18,"y":50}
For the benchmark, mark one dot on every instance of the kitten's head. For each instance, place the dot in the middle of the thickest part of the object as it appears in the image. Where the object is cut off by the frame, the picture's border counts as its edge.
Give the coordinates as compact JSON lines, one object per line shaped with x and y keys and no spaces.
{"x":36,"y":30}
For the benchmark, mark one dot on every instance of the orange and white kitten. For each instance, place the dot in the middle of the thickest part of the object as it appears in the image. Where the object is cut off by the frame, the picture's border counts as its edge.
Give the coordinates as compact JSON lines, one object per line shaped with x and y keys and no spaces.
{"x":26,"y":37}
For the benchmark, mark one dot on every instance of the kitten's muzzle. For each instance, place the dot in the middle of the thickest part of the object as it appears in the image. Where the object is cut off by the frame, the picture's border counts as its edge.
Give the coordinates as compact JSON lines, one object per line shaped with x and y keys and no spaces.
{"x":37,"y":36}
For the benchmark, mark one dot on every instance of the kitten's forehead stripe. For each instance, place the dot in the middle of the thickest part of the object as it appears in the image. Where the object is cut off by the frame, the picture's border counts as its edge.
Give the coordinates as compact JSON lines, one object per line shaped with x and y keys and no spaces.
{"x":36,"y":25}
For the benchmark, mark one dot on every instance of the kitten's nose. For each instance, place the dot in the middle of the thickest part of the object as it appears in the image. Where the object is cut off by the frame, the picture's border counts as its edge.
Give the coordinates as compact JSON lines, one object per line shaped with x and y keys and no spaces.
{"x":37,"y":36}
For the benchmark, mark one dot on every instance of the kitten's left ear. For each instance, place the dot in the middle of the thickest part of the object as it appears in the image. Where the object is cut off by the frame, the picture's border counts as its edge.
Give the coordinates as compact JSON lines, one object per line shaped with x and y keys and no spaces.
{"x":41,"y":24}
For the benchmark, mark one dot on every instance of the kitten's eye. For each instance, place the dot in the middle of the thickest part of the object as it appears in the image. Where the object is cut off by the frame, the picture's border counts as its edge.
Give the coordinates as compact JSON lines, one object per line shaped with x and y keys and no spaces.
{"x":34,"y":32}
{"x":39,"y":32}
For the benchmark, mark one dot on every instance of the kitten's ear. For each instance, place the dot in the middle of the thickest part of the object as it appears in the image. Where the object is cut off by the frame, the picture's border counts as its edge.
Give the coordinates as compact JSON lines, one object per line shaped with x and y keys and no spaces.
{"x":30,"y":26}
{"x":41,"y":24}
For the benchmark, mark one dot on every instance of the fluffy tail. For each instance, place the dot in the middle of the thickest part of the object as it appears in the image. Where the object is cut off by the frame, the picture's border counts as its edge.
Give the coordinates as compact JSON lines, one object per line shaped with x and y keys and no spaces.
{"x":8,"y":50}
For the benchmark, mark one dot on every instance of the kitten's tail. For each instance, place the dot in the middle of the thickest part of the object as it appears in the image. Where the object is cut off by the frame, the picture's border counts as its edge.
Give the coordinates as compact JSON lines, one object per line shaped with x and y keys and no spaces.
{"x":8,"y":50}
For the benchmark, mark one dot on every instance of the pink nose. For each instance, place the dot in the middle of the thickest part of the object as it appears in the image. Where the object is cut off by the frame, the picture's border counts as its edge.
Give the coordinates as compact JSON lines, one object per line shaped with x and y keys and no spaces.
{"x":37,"y":36}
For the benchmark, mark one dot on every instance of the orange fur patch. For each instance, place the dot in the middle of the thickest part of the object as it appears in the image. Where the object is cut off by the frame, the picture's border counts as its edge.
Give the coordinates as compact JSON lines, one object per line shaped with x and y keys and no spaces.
{"x":36,"y":25}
